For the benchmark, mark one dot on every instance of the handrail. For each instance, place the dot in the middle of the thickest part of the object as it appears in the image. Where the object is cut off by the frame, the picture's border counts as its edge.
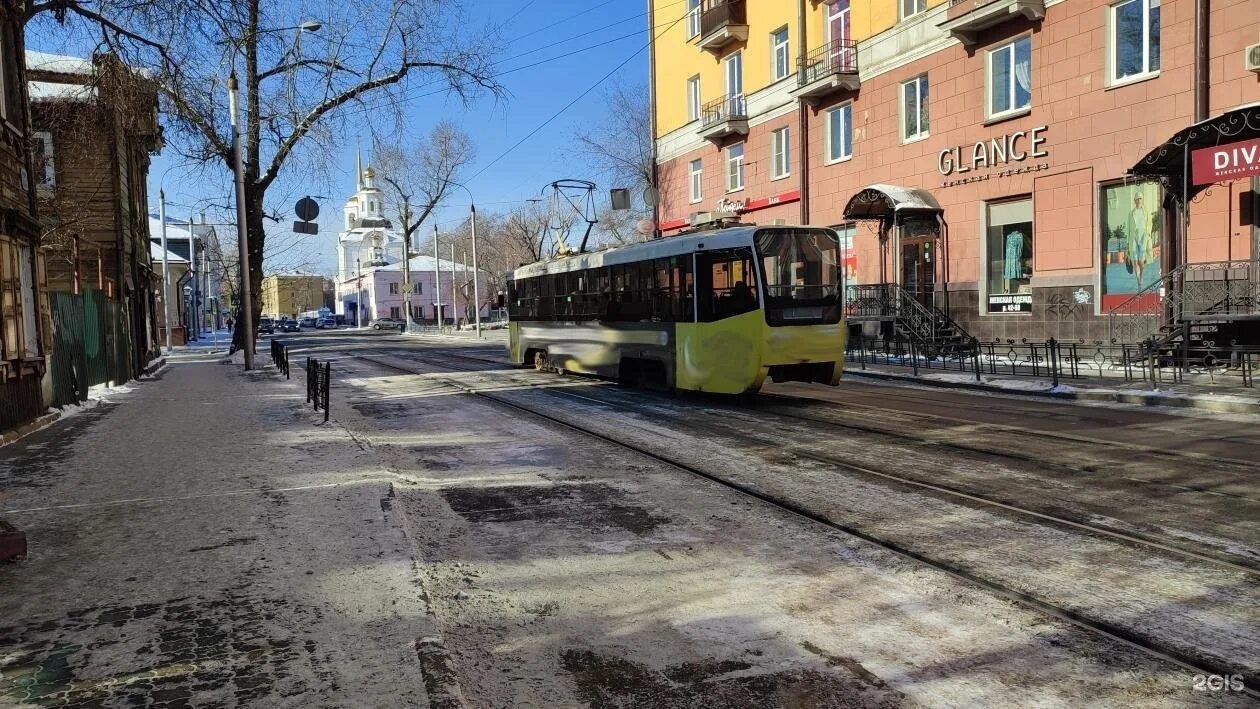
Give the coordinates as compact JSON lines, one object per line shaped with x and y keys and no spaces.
{"x":834,"y":57}
{"x":728,"y":108}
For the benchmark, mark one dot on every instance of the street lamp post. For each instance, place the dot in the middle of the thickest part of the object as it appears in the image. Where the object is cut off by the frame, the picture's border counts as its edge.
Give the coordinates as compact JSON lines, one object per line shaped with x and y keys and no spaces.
{"x":166,"y":270}
{"x":472,"y":220}
{"x":242,"y":236}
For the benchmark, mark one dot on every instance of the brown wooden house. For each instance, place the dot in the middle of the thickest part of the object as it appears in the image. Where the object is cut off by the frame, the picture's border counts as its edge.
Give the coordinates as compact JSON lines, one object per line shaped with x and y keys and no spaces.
{"x":95,"y":127}
{"x":25,"y":321}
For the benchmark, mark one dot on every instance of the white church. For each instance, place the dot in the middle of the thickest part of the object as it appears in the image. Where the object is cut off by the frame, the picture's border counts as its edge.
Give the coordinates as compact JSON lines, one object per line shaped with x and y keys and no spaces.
{"x":369,"y":267}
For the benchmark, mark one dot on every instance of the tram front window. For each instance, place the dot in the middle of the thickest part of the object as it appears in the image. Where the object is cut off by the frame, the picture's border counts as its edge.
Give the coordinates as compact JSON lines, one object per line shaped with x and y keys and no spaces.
{"x":801,"y":274}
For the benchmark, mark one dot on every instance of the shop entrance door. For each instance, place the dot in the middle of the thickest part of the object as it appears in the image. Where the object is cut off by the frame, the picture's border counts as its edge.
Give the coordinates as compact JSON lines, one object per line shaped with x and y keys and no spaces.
{"x":918,"y":272}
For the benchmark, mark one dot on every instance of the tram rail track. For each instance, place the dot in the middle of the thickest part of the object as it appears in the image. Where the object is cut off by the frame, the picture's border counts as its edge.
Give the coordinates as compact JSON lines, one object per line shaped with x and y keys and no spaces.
{"x":1102,"y":628}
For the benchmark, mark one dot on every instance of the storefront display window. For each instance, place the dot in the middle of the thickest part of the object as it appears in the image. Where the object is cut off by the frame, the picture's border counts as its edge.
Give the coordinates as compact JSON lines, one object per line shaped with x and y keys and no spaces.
{"x":1130,"y":240}
{"x":1010,"y":248}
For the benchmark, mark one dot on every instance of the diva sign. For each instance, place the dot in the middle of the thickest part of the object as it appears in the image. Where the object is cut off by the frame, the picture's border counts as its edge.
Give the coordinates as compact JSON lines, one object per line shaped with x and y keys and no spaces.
{"x":1225,"y":162}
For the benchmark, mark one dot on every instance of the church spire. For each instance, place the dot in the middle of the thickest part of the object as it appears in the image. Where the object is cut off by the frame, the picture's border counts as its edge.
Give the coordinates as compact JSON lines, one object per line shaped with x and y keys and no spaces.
{"x":358,"y":170}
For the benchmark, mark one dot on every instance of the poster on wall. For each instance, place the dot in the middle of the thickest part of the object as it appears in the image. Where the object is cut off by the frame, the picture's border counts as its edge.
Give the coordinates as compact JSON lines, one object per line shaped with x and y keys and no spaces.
{"x":848,"y":256}
{"x":1130,"y":243}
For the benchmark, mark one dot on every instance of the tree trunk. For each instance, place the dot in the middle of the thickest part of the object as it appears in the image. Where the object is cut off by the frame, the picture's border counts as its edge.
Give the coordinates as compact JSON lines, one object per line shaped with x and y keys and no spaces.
{"x":256,"y":235}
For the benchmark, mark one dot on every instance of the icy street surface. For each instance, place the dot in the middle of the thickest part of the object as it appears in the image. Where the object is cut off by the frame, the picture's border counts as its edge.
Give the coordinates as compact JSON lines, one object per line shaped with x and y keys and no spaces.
{"x":205,"y":540}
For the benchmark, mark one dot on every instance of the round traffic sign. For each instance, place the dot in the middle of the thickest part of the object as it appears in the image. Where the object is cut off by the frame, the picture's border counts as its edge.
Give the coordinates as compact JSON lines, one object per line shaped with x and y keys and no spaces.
{"x":306,"y":209}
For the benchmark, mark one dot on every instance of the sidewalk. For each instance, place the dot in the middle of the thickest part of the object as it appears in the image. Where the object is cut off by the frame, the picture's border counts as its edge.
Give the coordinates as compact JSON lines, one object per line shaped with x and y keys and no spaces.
{"x":203,"y":539}
{"x":1221,"y":398}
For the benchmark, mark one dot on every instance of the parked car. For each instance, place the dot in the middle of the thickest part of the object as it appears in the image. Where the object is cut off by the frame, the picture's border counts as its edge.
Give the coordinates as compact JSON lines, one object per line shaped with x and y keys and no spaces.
{"x":326,"y":323}
{"x":289,"y":325}
{"x":387,"y":324}
{"x":309,"y":322}
{"x":266,"y":326}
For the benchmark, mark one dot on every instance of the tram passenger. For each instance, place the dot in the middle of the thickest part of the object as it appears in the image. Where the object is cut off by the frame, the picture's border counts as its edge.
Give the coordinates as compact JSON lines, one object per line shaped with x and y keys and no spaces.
{"x":742,"y":299}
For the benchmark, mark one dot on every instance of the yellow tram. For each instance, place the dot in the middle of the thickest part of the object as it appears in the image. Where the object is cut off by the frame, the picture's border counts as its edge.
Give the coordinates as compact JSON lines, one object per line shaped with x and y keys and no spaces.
{"x":715,"y":311}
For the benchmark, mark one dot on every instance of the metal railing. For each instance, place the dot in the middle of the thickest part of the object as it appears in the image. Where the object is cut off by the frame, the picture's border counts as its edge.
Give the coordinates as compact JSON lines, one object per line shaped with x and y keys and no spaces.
{"x":716,"y":14}
{"x":728,"y":108}
{"x":931,"y":328}
{"x":1191,"y":290}
{"x":317,"y":380}
{"x":1058,"y":360}
{"x":280,"y":356}
{"x":835,"y":57}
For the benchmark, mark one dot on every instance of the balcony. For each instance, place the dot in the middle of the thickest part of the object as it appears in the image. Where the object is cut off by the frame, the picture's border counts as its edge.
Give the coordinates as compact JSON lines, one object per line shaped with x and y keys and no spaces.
{"x":965,"y":19}
{"x":724,"y":117}
{"x":722,"y":22}
{"x":830,"y":68}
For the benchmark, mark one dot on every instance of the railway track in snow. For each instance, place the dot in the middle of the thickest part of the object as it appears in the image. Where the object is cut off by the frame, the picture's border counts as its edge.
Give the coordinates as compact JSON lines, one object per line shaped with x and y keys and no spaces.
{"x":1151,"y":646}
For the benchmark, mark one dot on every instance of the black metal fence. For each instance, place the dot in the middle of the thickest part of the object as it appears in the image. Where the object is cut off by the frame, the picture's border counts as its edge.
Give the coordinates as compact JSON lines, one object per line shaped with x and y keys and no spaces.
{"x":280,"y":356}
{"x":1057,"y":360}
{"x":317,"y":378}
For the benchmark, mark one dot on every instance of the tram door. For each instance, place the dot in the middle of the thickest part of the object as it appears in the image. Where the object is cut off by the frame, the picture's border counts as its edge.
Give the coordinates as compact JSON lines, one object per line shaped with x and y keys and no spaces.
{"x":918,"y":268}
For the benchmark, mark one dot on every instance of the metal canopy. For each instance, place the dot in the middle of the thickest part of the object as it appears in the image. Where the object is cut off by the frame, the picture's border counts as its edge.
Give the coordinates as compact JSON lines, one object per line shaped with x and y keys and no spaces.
{"x":886,"y":201}
{"x":1167,"y":162}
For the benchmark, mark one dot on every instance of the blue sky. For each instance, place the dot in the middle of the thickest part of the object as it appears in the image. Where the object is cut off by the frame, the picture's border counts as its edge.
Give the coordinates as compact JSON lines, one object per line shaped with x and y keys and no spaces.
{"x":534,"y":95}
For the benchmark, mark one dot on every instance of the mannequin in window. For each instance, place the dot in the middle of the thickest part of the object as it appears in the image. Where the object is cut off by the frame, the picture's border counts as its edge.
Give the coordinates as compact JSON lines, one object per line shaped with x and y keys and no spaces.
{"x":1014,"y":267}
{"x":1140,"y":243}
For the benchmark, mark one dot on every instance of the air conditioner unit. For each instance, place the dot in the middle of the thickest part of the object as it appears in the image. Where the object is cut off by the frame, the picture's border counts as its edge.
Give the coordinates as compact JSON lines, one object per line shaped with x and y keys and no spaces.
{"x":1252,"y":58}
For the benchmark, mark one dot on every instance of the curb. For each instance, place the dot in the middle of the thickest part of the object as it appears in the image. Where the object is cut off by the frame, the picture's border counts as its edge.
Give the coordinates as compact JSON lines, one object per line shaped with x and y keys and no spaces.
{"x":152,"y":367}
{"x":1111,"y":397}
{"x":26,"y":429}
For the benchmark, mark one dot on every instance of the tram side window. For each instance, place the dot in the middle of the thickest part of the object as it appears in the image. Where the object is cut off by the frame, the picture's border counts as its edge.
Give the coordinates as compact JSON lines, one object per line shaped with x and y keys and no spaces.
{"x":725,"y":284}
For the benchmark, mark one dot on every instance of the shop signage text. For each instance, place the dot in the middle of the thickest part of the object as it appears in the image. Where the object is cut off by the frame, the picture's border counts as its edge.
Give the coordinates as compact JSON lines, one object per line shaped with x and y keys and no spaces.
{"x":1012,"y":303}
{"x":1226,"y":162}
{"x":1017,"y":146}
{"x":729,"y":207}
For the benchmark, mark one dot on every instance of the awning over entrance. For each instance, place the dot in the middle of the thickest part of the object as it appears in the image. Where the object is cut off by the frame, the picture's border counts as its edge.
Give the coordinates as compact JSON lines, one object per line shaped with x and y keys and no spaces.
{"x":1168,"y":161}
{"x":886,"y":201}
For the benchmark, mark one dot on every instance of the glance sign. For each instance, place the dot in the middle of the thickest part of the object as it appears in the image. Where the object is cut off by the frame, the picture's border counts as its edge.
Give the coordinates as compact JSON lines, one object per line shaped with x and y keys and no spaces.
{"x":1004,"y":150}
{"x":1225,"y":162}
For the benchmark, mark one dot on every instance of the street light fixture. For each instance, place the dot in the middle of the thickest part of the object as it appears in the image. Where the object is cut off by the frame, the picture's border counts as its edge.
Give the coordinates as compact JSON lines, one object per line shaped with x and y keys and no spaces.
{"x":472,"y":222}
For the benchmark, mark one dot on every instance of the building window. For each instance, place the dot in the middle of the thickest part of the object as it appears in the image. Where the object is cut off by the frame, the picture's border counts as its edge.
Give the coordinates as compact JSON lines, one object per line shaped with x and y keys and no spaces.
{"x":735,"y":167}
{"x":914,"y":108}
{"x":697,"y":180}
{"x":840,"y":133}
{"x":693,"y":19}
{"x":1009,"y":248}
{"x":693,"y":98}
{"x":780,"y":154}
{"x":395,"y":312}
{"x":1010,"y":77}
{"x":910,"y":8}
{"x":1131,"y":244}
{"x":1134,"y":37}
{"x":393,"y":289}
{"x":779,"y":53}
{"x":734,"y":66}
{"x":45,"y":171}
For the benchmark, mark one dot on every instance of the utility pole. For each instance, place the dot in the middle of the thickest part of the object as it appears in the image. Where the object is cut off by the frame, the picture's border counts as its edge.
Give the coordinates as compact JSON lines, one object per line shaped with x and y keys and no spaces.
{"x":454,"y":299}
{"x":166,"y":271}
{"x":358,"y":293}
{"x":406,"y":279}
{"x":437,"y":279}
{"x":242,"y":237}
{"x":472,"y":208}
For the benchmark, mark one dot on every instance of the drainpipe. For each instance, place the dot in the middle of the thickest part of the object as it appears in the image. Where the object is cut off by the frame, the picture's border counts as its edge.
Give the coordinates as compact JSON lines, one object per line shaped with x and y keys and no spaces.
{"x":656,"y":208}
{"x":803,"y":114}
{"x":1202,"y":32}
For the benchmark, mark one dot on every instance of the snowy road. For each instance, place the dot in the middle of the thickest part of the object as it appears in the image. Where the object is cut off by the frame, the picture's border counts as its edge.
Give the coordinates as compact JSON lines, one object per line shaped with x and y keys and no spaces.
{"x":566,"y":570}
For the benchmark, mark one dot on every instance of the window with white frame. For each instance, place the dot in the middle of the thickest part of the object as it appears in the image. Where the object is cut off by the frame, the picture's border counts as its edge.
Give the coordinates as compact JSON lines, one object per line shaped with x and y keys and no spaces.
{"x":779,"y":53}
{"x":693,"y":19}
{"x":780,"y":153}
{"x":840,"y":133}
{"x":914,"y":108}
{"x":693,"y":98}
{"x":45,"y":170}
{"x":1010,"y":77}
{"x":696,"y":180}
{"x":735,"y":167}
{"x":734,"y":70}
{"x":1134,"y":39}
{"x":910,"y":8}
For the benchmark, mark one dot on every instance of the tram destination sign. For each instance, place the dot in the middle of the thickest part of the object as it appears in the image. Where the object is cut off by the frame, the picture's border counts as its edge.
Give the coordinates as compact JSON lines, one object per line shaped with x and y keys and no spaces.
{"x":1225,"y":162}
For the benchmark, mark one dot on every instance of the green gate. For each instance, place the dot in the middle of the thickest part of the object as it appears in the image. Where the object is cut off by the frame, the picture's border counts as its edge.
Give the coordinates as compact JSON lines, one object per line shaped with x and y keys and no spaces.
{"x":90,"y":345}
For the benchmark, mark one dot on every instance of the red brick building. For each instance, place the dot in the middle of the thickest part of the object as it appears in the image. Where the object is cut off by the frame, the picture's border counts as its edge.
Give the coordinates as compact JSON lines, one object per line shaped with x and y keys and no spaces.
{"x":999,"y":137}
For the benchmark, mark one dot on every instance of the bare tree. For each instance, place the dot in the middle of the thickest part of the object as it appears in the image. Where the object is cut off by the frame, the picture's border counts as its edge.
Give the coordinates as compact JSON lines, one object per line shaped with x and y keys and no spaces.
{"x":420,"y":176}
{"x":620,"y":149}
{"x":299,"y":94}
